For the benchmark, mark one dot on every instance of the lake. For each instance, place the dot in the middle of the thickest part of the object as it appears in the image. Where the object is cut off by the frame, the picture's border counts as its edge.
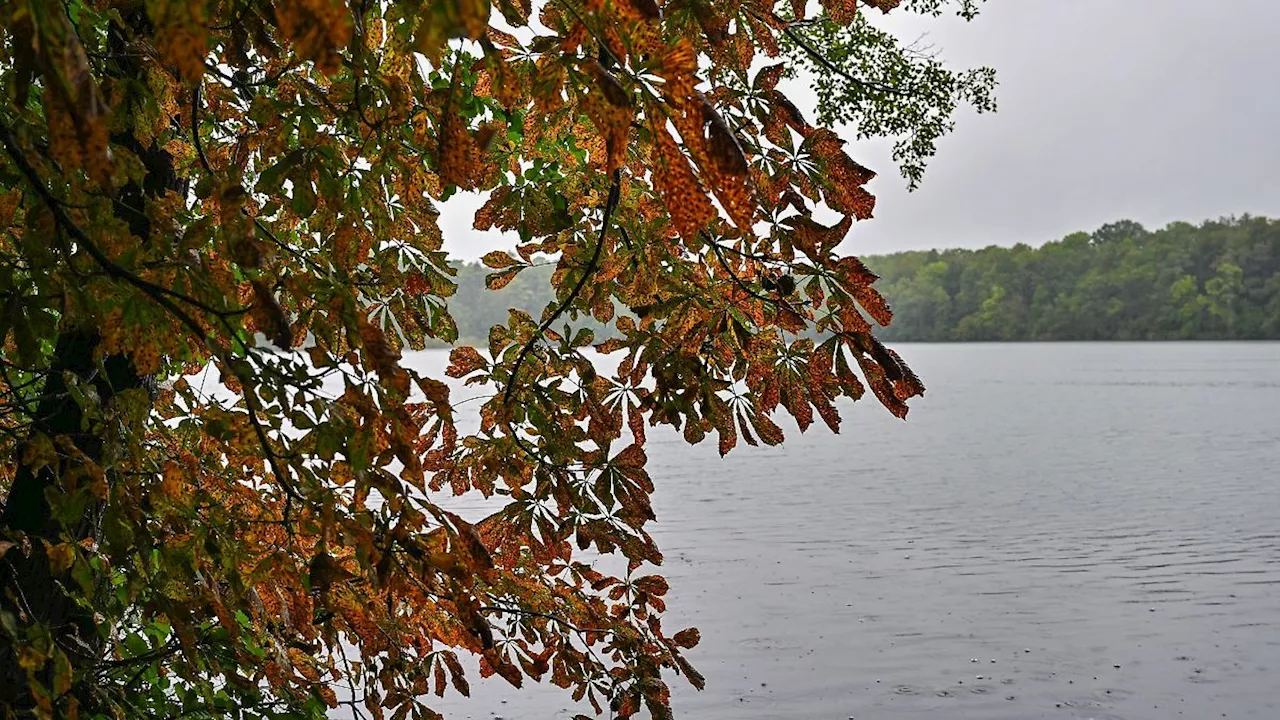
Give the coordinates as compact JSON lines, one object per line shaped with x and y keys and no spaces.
{"x":1059,"y":531}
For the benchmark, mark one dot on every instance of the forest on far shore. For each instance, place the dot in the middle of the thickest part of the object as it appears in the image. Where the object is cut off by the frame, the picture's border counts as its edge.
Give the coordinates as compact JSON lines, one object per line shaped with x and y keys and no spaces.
{"x":1214,"y":281}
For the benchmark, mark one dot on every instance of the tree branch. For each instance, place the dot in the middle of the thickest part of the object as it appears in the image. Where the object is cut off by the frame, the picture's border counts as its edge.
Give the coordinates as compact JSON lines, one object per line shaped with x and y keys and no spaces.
{"x":610,"y":204}
{"x":157,"y":294}
{"x":825,"y":62}
{"x":546,"y":616}
{"x":717,"y":249}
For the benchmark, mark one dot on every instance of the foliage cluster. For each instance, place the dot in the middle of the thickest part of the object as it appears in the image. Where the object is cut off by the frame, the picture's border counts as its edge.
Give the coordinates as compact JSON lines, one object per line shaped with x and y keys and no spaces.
{"x":218,"y":233}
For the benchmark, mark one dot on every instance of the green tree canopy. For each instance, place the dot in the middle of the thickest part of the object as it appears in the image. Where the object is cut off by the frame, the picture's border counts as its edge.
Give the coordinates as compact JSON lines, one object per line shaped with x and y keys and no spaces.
{"x":1219,"y":280}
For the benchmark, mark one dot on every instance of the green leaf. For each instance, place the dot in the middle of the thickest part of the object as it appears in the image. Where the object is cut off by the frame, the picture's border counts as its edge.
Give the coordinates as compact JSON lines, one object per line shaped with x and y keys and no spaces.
{"x":303,"y":201}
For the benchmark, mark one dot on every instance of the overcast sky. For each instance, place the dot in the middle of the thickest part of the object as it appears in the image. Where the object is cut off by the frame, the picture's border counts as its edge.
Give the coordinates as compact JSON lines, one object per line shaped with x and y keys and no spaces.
{"x":1152,"y":110}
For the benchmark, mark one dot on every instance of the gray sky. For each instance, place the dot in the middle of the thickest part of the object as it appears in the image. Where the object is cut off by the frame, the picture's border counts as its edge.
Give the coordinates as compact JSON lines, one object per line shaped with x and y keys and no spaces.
{"x":1152,"y":110}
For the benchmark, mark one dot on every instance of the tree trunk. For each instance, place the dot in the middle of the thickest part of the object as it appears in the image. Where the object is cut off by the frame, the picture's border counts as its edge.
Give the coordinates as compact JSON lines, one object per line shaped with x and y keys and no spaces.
{"x":28,"y":587}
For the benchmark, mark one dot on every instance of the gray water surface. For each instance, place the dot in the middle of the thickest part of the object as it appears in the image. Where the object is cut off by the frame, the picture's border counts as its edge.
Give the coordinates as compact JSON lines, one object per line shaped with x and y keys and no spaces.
{"x":1059,"y":531}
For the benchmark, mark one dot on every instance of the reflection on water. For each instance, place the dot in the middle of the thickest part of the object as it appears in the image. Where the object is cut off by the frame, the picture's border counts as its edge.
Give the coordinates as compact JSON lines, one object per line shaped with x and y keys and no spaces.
{"x":1060,"y":531}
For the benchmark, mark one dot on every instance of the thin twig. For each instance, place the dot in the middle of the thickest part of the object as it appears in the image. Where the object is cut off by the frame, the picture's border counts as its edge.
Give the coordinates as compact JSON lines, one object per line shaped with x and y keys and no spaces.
{"x":716,"y":249}
{"x":546,"y":616}
{"x":824,"y":61}
{"x":609,"y":206}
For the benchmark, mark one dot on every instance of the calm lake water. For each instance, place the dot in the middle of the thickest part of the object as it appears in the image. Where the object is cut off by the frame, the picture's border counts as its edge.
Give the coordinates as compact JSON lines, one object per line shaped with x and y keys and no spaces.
{"x":1059,"y":531}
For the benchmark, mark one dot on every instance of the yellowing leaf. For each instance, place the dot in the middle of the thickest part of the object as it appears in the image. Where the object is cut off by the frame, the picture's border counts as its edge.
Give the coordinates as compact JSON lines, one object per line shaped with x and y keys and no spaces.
{"x":319,"y":29}
{"x":499,"y":280}
{"x":842,"y":12}
{"x":681,"y":192}
{"x":61,"y":556}
{"x":499,"y":260}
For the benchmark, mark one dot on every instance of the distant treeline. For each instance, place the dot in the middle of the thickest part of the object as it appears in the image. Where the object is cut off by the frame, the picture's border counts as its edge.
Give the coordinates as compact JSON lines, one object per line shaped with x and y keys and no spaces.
{"x":1218,"y":280}
{"x":476,"y":308}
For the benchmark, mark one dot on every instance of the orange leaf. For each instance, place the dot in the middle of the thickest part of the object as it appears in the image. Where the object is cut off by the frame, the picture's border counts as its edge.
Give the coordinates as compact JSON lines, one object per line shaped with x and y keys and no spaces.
{"x":841,"y":12}
{"x":725,"y":150}
{"x":883,"y":5}
{"x":653,"y":584}
{"x":842,"y":177}
{"x":463,"y":361}
{"x":681,"y":192}
{"x":456,"y":675}
{"x":687,"y":638}
{"x":874,"y":303}
{"x":728,"y":168}
{"x":728,"y":438}
{"x":495,"y":662}
{"x":632,"y":456}
{"x":815,"y":239}
{"x":767,"y":79}
{"x":769,"y":432}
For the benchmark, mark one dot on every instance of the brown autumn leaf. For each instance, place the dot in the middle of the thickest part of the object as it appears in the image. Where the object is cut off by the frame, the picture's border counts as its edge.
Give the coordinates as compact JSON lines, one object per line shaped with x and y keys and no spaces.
{"x":842,"y":12}
{"x":610,"y":108}
{"x":727,"y":167}
{"x":790,"y":115}
{"x":456,"y":674}
{"x":726,"y":153}
{"x":881,"y":386}
{"x":815,"y":239}
{"x":463,"y":361}
{"x":768,"y":77}
{"x":458,"y":152}
{"x":325,"y":571}
{"x":681,"y":192}
{"x":874,"y":303}
{"x":687,"y":638}
{"x":884,"y":5}
{"x":317,"y":28}
{"x":842,"y":177}
{"x":853,"y":272}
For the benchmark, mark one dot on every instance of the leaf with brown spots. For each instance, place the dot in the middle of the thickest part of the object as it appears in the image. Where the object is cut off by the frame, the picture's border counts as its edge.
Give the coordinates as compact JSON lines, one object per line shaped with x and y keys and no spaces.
{"x":681,"y":192}
{"x":499,"y":280}
{"x":842,"y":12}
{"x":842,"y":177}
